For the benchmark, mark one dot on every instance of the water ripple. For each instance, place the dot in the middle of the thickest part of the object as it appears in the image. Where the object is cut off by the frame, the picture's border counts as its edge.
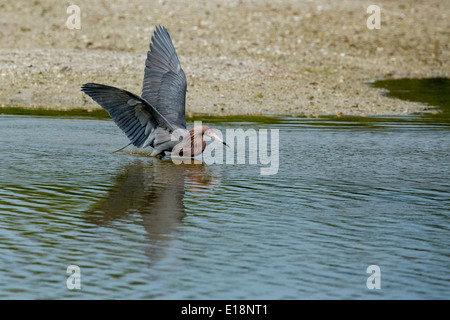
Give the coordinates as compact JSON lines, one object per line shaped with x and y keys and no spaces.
{"x":345,"y":197}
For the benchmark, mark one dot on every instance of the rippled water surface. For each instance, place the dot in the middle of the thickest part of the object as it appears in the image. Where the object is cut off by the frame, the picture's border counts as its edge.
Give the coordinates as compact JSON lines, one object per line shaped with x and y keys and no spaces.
{"x":348,"y":194}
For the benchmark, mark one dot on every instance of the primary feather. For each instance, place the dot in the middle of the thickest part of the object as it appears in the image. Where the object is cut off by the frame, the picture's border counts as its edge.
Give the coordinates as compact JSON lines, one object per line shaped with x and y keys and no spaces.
{"x":149,"y":120}
{"x":164,"y":85}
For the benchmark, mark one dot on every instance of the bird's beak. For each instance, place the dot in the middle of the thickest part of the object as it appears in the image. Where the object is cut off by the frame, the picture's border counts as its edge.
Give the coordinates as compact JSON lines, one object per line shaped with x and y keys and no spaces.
{"x":214,"y":136}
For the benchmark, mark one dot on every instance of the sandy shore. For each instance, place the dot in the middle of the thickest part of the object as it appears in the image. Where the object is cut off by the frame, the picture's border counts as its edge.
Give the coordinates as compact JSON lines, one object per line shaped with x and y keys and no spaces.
{"x":240,"y":57}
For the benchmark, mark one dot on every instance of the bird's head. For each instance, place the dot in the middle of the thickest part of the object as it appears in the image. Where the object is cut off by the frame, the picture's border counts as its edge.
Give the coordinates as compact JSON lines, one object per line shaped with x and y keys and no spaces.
{"x":207,"y":131}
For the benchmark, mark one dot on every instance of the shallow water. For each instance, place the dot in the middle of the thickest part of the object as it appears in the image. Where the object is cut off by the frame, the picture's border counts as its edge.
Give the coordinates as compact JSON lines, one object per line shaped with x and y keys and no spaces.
{"x":349,"y":193}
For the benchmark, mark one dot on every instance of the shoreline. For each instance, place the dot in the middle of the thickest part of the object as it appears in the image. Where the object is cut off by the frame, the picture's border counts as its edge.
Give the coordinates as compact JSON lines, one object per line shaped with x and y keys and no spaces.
{"x":263,"y":58}
{"x":100,"y":114}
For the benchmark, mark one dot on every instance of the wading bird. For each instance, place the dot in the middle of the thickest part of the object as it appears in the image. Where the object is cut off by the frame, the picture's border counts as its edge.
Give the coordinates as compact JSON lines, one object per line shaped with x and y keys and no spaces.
{"x":157,"y":117}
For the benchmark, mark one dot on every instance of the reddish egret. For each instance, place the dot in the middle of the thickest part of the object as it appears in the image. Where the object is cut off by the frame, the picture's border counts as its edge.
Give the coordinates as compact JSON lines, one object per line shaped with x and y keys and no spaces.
{"x":155,"y":117}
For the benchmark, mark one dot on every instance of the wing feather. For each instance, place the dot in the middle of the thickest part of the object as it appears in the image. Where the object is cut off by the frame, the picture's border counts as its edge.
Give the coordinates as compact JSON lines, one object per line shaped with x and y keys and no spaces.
{"x":135,"y":116}
{"x":164,"y":85}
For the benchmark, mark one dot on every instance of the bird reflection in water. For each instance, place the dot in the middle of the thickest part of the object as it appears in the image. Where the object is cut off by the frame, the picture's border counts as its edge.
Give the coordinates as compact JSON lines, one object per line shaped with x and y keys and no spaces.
{"x":155,"y":190}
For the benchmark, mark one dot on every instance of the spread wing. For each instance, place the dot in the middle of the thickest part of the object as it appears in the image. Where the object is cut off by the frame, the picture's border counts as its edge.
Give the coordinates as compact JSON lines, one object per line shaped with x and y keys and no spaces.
{"x":135,"y":116}
{"x":164,"y":85}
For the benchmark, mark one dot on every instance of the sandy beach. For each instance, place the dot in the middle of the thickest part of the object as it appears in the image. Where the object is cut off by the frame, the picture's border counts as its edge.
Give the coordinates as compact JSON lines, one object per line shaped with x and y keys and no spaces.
{"x":263,"y":57}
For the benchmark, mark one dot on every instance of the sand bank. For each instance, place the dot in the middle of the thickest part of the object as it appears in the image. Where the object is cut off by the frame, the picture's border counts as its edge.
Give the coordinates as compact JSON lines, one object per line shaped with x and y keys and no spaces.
{"x":240,"y":57}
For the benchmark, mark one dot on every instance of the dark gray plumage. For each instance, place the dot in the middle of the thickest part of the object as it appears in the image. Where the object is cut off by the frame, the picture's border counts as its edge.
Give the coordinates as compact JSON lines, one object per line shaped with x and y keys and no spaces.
{"x":154,"y":118}
{"x":164,"y":84}
{"x":132,"y":114}
{"x":149,"y":120}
